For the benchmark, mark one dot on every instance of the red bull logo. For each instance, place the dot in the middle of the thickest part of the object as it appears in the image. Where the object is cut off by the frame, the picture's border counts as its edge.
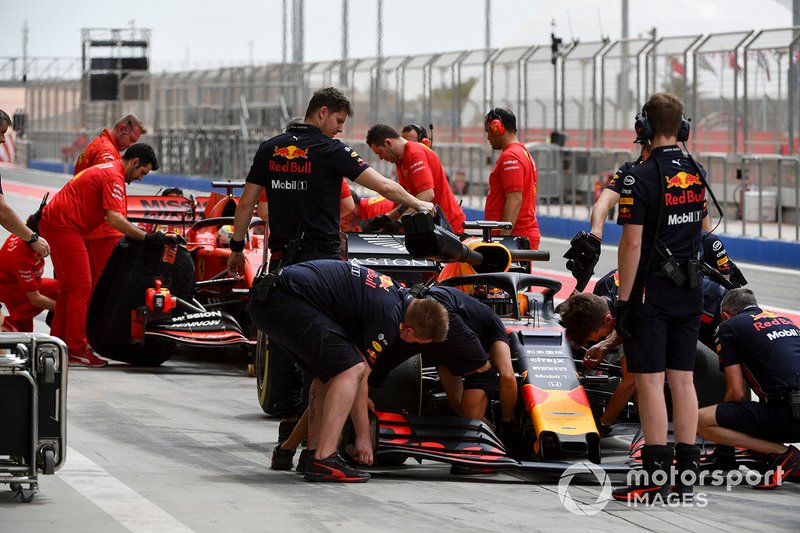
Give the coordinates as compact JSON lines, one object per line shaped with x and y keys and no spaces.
{"x":384,"y":282}
{"x":682,"y":180}
{"x":765,"y":314}
{"x":290,"y":152}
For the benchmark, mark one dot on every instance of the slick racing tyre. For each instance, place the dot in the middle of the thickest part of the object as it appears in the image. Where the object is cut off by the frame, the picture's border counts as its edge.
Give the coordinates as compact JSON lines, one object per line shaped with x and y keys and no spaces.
{"x":129,"y":272}
{"x":709,"y":381}
{"x":402,"y":390}
{"x":263,"y":374}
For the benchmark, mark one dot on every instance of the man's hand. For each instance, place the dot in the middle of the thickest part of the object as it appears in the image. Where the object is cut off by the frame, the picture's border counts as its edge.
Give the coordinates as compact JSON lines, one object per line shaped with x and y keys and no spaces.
{"x":594,"y":356}
{"x":427,"y":206}
{"x":157,"y":238}
{"x":362,"y":451}
{"x":41,"y":247}
{"x":622,"y":313}
{"x":236,"y":265}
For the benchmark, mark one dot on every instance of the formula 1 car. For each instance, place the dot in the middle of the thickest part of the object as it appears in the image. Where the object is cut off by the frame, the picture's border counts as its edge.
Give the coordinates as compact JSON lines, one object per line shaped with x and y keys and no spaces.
{"x":554,"y":416}
{"x":151,"y":300}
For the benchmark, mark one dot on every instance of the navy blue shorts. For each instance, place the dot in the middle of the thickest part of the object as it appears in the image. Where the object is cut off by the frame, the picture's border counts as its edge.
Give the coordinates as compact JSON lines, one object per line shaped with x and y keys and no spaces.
{"x":317,"y":342}
{"x":486,"y":381}
{"x":664,"y":328}
{"x":768,"y":422}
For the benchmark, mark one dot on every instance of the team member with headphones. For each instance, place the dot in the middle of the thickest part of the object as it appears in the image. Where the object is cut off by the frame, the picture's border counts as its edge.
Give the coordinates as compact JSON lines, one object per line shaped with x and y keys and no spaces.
{"x":512,"y":183}
{"x":415,"y":132}
{"x":662,"y":206}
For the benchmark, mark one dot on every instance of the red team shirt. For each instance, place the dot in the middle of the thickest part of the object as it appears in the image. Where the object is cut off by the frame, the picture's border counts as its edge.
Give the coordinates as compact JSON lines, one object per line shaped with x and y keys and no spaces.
{"x":20,"y":266}
{"x":515,"y":171}
{"x":420,"y":170}
{"x":101,"y":150}
{"x":373,"y":206}
{"x":103,"y":188}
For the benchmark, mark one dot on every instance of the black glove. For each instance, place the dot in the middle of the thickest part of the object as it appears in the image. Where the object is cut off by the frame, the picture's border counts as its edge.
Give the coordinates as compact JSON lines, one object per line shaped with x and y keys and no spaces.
{"x":157,"y":238}
{"x":622,"y":313}
{"x":379,"y":222}
{"x":582,"y":256}
{"x":174,"y":238}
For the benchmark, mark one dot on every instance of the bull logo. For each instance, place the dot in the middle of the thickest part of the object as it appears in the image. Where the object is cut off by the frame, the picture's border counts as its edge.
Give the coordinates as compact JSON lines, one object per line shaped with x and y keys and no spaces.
{"x":290,"y":152}
{"x":765,"y":314}
{"x":385,"y":282}
{"x":682,"y":180}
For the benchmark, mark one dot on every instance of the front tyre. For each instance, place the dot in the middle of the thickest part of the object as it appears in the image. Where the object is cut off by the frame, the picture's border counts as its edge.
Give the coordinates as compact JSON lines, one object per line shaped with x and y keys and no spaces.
{"x":263,"y":374}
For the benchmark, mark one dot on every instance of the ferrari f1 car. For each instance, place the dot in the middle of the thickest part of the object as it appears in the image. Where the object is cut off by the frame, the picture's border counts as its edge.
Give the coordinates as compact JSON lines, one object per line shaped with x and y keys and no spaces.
{"x":152,"y":299}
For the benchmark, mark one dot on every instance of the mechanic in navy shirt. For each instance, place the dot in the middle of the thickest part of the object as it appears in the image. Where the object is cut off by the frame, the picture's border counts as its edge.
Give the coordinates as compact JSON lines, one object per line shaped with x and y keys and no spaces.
{"x":468,"y":375}
{"x":761,"y":350}
{"x":336,"y":319}
{"x":302,"y":172}
{"x":662,"y":206}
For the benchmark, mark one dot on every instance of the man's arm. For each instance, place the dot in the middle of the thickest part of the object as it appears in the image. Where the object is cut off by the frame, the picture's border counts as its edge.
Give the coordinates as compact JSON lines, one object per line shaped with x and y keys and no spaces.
{"x":511,"y":210}
{"x":121,"y":224}
{"x":11,"y":221}
{"x":735,"y":388}
{"x":241,"y":221}
{"x":600,"y":210}
{"x":362,"y":451}
{"x":40,"y":300}
{"x":372,"y":179}
{"x":400,"y":210}
{"x":630,"y":251}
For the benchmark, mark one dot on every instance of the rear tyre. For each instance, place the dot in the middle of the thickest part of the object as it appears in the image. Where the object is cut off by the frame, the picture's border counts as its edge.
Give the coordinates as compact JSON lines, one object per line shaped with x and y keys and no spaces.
{"x":263,"y":374}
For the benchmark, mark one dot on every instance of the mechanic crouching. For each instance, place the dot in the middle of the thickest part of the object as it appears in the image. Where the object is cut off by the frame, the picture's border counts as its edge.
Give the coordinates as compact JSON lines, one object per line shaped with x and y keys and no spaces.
{"x":468,"y":375}
{"x":335,"y":319}
{"x":759,"y":349}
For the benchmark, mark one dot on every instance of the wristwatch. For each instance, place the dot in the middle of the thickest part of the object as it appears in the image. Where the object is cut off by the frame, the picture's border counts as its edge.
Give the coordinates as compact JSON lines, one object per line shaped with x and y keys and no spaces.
{"x":33,"y":239}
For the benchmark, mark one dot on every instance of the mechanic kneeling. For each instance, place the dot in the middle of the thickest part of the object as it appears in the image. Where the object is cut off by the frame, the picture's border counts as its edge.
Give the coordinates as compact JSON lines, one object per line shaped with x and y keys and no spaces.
{"x":761,"y":349}
{"x":330,"y":315}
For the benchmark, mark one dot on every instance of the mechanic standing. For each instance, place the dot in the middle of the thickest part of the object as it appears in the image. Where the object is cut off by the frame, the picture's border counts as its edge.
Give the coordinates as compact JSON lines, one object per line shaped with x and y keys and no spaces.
{"x":8,"y":218}
{"x":513,"y":181}
{"x":660,"y":298}
{"x":106,"y":148}
{"x":302,"y":172}
{"x":419,"y":171}
{"x":78,"y":208}
{"x":415,"y":132}
{"x":338,"y":319}
{"x":22,"y":288}
{"x":761,"y":350}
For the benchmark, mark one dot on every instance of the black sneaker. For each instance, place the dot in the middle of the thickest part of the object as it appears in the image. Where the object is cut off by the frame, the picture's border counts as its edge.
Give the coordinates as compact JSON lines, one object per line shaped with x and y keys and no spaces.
{"x":781,"y":467}
{"x":282,"y":459}
{"x":334,"y":468}
{"x":305,"y":456}
{"x":603,"y":429}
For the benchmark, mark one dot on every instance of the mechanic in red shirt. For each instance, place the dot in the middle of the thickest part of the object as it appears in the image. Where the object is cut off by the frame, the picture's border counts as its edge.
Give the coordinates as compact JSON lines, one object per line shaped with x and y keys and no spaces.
{"x":78,"y":208}
{"x":106,"y":148}
{"x":419,"y":171}
{"x":364,"y":212}
{"x":22,"y":288}
{"x":512,"y":183}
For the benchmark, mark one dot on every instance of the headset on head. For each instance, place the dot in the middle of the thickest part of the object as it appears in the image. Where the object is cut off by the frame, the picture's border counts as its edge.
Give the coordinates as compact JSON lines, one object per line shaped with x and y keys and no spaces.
{"x":496,"y":126}
{"x":644,"y":129}
{"x":422,"y":135}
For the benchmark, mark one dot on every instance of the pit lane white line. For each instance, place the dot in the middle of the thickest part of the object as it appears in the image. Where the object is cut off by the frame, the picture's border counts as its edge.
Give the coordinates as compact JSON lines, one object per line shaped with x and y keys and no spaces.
{"x":133,"y":511}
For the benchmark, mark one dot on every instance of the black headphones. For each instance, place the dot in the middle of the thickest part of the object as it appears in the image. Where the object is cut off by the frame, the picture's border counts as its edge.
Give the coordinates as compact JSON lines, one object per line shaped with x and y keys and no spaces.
{"x":496,"y":125}
{"x":644,"y":129}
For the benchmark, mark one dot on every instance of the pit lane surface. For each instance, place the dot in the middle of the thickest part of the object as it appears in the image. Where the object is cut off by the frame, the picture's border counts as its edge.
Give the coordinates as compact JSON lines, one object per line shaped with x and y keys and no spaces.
{"x":185,"y":447}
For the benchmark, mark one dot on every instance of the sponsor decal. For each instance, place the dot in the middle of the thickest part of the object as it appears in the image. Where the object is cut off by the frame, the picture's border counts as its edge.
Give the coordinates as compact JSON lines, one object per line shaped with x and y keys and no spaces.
{"x":290,"y":185}
{"x":716,"y":246}
{"x":685,"y":218}
{"x":682,"y":180}
{"x":783,"y":333}
{"x":290,"y":167}
{"x":685,"y":197}
{"x":722,"y":261}
{"x":290,"y":152}
{"x":626,"y":201}
{"x":629,"y":180}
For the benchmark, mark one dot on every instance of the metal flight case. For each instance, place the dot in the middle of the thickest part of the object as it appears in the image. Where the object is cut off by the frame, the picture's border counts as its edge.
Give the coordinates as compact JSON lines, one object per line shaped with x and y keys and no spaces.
{"x":33,"y":409}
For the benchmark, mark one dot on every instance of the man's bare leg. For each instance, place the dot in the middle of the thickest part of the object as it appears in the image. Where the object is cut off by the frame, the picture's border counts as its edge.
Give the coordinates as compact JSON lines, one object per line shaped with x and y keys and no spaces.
{"x":338,"y":401}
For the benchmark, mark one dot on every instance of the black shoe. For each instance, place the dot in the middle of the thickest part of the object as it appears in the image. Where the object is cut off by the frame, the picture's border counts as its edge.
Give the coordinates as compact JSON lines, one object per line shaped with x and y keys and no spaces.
{"x":687,"y":459}
{"x":781,"y":467}
{"x":286,"y":427}
{"x":305,"y":456}
{"x":657,"y":462}
{"x":722,"y":458}
{"x":282,"y":459}
{"x":461,"y":470}
{"x":334,"y":468}
{"x":603,"y":429}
